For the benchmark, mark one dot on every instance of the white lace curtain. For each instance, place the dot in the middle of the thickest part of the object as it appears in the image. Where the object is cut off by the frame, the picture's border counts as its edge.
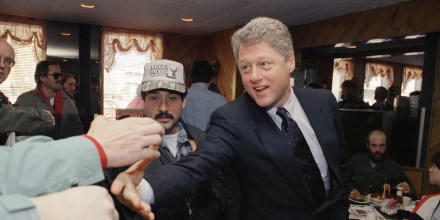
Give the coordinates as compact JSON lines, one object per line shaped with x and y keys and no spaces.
{"x":25,"y":33}
{"x":28,"y":38}
{"x":123,"y":41}
{"x":383,"y":72}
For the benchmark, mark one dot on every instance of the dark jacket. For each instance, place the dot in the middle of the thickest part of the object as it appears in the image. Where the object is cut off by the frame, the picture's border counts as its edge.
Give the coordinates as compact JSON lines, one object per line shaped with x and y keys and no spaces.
{"x":212,"y":200}
{"x":243,"y":135}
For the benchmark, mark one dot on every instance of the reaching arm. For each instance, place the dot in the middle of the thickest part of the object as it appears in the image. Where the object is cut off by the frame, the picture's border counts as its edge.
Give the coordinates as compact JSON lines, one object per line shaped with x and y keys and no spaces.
{"x":27,"y":121}
{"x":39,"y":165}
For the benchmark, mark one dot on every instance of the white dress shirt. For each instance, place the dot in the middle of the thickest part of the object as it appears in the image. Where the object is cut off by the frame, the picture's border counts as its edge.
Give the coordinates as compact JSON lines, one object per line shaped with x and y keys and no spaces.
{"x":297,"y":113}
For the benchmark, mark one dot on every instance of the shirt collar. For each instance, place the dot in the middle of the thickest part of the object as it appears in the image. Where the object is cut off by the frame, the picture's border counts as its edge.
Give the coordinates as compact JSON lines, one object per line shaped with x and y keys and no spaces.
{"x":289,"y":106}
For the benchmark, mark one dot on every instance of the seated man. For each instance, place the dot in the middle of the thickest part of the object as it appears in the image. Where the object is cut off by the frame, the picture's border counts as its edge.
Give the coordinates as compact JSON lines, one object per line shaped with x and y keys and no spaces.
{"x":350,"y":96}
{"x":370,"y":170}
{"x":380,"y":95}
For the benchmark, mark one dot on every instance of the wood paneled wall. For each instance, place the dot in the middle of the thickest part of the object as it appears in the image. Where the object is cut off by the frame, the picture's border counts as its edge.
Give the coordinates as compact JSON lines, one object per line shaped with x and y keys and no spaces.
{"x":213,"y":48}
{"x":406,"y":18}
{"x":217,"y":48}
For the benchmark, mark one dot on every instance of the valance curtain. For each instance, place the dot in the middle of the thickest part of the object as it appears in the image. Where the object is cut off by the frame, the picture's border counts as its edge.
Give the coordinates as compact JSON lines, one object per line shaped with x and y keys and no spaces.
{"x":28,"y":38}
{"x":383,"y":72}
{"x":117,"y":41}
{"x":411,"y":73}
{"x":344,"y":68}
{"x":125,"y":52}
{"x":26,"y":34}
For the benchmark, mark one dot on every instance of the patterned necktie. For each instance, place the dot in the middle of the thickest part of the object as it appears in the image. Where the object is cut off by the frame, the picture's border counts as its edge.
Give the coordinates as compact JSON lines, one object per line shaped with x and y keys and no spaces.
{"x":309,"y":168}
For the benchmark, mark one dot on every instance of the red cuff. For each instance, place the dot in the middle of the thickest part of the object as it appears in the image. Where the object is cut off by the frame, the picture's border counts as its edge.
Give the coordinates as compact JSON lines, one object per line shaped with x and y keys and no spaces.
{"x":101,"y":151}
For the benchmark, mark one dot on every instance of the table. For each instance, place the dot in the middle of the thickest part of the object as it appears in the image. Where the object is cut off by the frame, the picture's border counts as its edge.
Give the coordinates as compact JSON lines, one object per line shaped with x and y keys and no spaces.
{"x":358,"y":212}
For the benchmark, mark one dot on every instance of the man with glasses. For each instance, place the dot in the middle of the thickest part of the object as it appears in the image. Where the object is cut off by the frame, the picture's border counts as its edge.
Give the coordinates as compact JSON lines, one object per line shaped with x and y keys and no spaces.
{"x":48,"y":95}
{"x":13,"y":119}
{"x":370,"y":170}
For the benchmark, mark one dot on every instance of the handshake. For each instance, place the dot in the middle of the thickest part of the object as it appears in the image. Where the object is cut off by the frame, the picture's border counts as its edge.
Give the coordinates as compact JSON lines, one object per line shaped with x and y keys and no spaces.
{"x":124,"y":142}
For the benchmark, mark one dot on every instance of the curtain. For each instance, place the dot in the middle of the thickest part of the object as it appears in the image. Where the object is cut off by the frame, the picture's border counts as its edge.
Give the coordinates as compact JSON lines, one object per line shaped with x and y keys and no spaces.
{"x":384,"y":74}
{"x":344,"y":68}
{"x":124,"y":41}
{"x":125,"y":52}
{"x":28,"y":38}
{"x":25,"y":33}
{"x":412,"y":80}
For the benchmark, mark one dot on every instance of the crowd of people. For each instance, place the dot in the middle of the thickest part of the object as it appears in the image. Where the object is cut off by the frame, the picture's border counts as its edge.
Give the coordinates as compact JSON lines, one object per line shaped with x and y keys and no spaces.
{"x":276,"y":152}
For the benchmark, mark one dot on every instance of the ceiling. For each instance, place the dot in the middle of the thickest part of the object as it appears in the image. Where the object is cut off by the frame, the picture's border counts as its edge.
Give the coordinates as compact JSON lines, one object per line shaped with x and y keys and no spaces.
{"x":164,"y":15}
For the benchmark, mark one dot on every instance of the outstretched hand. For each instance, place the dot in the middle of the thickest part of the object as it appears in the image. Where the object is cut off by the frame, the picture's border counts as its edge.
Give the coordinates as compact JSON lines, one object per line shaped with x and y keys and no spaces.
{"x":125,"y":141}
{"x":124,"y":187}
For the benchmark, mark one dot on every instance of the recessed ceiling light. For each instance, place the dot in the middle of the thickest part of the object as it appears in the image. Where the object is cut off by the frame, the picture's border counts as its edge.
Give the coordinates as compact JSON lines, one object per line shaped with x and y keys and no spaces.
{"x":378,"y":40}
{"x":187,"y":19}
{"x":414,"y":36}
{"x":89,"y":6}
{"x":65,"y":33}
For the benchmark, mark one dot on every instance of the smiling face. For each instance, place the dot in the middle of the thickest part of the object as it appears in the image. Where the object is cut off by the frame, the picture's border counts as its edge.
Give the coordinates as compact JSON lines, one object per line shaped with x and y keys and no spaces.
{"x":6,"y":52}
{"x":265,"y":73}
{"x":165,"y":106}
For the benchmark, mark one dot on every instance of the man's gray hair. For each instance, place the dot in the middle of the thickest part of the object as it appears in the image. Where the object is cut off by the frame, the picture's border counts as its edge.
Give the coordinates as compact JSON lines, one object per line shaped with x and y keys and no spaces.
{"x":260,"y":29}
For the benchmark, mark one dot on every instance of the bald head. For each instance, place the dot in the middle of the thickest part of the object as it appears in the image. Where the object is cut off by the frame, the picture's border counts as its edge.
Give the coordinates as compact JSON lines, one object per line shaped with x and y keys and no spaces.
{"x":377,"y":144}
{"x":6,"y":52}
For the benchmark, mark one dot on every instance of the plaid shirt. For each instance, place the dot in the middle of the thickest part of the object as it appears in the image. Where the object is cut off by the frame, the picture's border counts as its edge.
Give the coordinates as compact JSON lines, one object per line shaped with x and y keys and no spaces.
{"x":183,"y":145}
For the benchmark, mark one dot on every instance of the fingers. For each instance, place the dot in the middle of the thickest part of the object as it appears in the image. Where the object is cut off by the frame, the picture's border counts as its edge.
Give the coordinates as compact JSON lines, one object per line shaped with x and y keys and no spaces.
{"x":119,"y":183}
{"x":145,"y":211}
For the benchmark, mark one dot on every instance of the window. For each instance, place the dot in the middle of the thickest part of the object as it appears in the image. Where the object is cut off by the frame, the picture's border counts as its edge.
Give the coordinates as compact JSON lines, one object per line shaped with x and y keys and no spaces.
{"x":342,"y":70}
{"x":412,"y":80}
{"x":29,"y":43}
{"x":125,"y":55}
{"x":376,"y":75}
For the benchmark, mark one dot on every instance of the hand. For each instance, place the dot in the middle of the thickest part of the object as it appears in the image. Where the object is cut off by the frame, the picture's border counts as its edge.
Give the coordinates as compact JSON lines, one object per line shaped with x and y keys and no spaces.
{"x":125,"y":141}
{"x":85,"y":203}
{"x":124,"y":188}
{"x":405,"y":187}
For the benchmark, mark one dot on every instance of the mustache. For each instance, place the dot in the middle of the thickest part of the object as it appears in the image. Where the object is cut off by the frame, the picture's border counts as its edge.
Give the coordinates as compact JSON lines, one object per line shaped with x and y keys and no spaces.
{"x":164,"y":115}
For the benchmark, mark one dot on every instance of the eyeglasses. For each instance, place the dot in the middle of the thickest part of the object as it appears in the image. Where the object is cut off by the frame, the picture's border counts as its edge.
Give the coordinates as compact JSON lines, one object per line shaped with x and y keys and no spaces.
{"x":56,"y":75}
{"x":8,"y":61}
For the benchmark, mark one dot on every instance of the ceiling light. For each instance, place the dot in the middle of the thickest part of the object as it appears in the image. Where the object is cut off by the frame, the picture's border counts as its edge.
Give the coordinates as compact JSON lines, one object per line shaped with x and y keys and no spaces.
{"x":64,"y":60}
{"x":187,"y":19}
{"x":379,"y":56}
{"x":414,"y":53}
{"x":88,"y":6}
{"x":65,"y":33}
{"x":414,"y":36}
{"x":350,"y":46}
{"x":346,"y":45}
{"x":376,"y":41}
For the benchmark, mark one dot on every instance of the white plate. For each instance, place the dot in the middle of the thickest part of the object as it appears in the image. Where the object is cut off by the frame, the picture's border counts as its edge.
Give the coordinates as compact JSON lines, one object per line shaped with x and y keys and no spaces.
{"x":375,"y":200}
{"x":366,"y":200}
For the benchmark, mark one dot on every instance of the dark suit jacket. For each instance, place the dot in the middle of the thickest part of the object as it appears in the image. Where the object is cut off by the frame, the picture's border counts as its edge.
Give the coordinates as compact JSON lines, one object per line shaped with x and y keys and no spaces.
{"x":244,"y":136}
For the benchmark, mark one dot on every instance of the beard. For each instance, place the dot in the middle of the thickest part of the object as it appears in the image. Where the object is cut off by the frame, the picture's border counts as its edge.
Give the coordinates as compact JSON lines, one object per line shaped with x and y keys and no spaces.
{"x":376,"y":157}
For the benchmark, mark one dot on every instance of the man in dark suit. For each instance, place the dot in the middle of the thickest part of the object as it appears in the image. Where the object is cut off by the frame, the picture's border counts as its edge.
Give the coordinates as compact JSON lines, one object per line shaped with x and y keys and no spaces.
{"x":249,"y":135}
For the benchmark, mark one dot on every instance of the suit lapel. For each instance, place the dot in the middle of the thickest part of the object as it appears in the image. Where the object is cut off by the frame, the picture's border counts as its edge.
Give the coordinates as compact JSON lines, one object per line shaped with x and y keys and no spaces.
{"x":275,"y":145}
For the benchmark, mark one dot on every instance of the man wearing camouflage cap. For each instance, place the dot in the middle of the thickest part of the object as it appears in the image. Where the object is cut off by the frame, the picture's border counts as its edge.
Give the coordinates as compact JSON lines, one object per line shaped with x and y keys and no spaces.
{"x":164,"y":92}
